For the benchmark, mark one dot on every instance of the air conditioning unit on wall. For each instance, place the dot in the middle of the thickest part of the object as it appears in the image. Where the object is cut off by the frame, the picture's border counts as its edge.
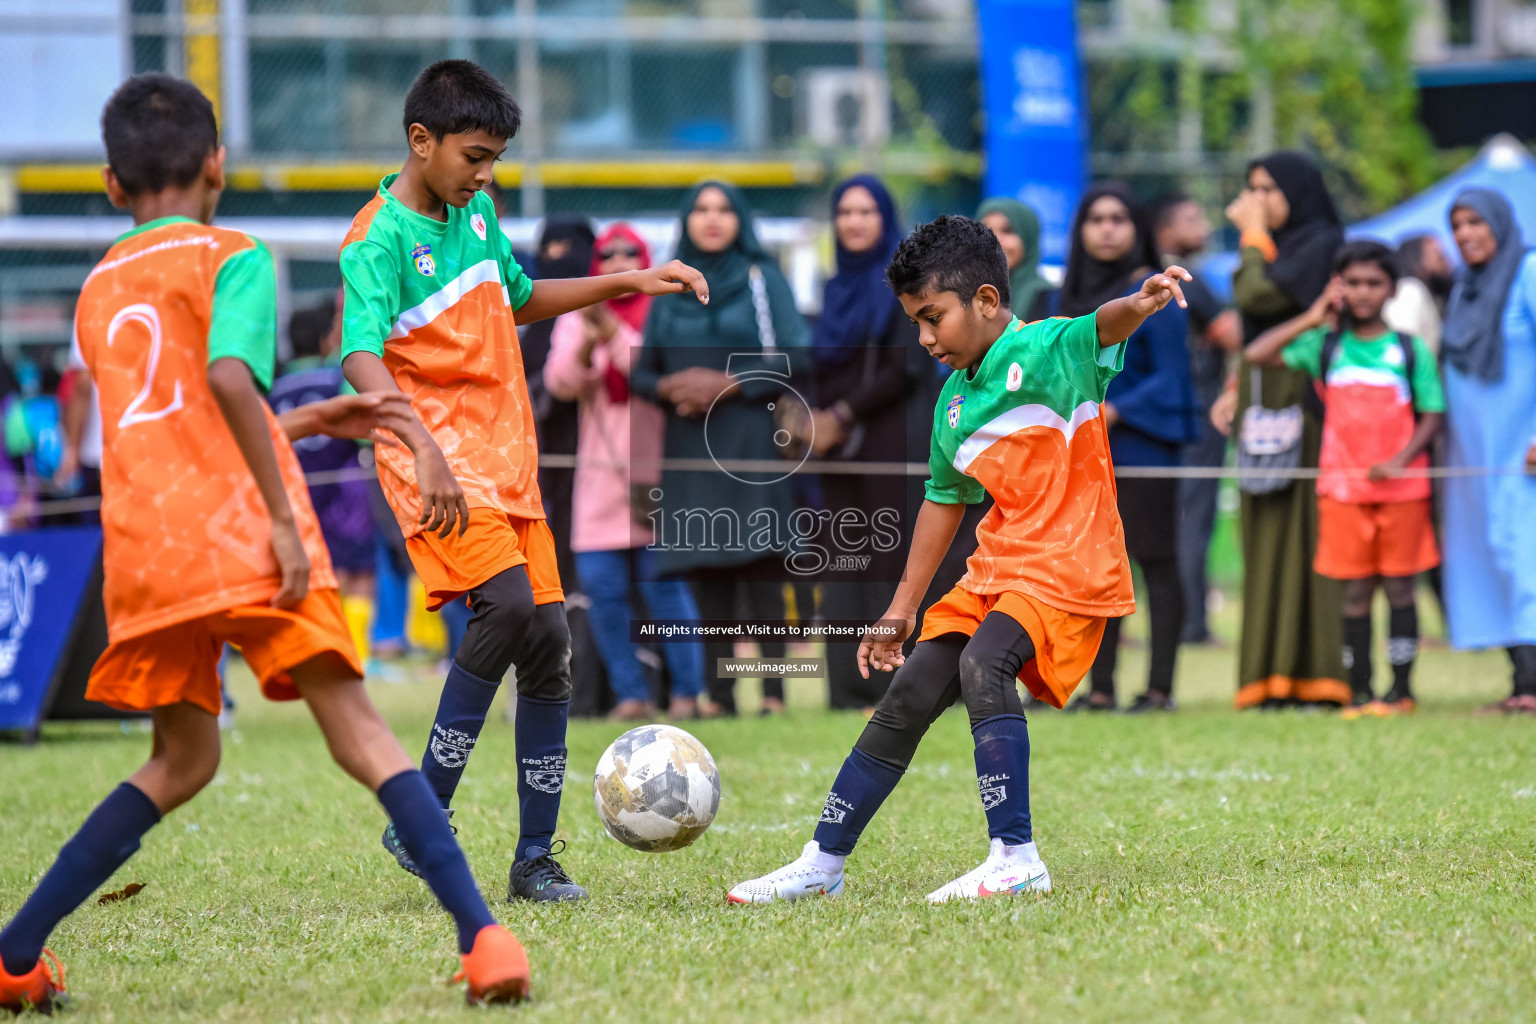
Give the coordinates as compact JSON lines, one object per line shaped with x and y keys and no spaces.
{"x":845,"y":107}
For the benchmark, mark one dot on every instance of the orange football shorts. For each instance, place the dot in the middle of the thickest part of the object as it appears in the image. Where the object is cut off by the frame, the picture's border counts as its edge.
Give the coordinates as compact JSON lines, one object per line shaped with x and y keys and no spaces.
{"x":452,"y":566}
{"x":181,"y":662}
{"x":1065,"y":642}
{"x":1357,"y":541}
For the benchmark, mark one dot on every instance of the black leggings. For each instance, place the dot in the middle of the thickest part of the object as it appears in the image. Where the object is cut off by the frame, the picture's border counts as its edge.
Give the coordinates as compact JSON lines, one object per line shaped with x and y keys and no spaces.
{"x":740,"y":591}
{"x":508,"y":629}
{"x":1165,"y":602}
{"x":982,"y":669}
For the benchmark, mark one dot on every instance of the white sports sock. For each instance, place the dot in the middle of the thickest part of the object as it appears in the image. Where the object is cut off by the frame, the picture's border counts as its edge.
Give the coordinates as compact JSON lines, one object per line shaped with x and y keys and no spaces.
{"x":1024,"y":852}
{"x":831,"y":863}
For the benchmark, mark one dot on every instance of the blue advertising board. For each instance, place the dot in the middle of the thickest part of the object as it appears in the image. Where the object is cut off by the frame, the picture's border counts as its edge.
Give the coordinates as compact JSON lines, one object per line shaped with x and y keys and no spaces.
{"x":45,"y":578}
{"x":1036,"y":123}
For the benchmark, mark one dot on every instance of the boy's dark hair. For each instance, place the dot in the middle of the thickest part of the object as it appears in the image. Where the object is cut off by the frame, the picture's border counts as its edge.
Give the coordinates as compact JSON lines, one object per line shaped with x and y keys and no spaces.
{"x":949,"y":254}
{"x":453,"y":97}
{"x":1410,"y":255}
{"x":307,"y":328}
{"x":1162,"y":209}
{"x":158,"y":130}
{"x":1351,"y":253}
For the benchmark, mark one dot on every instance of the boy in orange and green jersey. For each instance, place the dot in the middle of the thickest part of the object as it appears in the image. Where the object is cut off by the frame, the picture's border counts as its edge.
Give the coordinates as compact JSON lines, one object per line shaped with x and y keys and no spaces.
{"x":1019,"y":419}
{"x":208,"y":533}
{"x":431,"y":292}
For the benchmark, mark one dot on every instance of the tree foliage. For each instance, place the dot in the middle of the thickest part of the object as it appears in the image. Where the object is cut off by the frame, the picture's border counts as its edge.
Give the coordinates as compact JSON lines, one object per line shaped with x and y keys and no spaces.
{"x":1341,"y":81}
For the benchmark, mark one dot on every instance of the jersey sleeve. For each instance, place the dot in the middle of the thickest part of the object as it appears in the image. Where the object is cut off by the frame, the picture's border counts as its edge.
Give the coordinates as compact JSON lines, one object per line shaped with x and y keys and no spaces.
{"x":1306,"y":352}
{"x":519,"y":284}
{"x":947,"y":485}
{"x":370,"y":284}
{"x":1428,"y":392}
{"x":243,"y":322}
{"x":1073,"y":348}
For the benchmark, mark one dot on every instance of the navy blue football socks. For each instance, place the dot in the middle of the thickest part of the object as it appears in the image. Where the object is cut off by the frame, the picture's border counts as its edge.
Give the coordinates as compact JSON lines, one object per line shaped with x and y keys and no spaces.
{"x":857,"y":793}
{"x":461,"y":712}
{"x":423,"y":830}
{"x":540,"y":739}
{"x":1002,"y":776}
{"x":109,"y":836}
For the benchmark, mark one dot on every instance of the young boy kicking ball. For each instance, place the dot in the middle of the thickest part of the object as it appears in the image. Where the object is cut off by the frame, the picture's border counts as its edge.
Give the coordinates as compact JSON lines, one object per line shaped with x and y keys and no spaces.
{"x":1019,"y":420}
{"x":209,"y":535}
{"x":1384,"y":406}
{"x":433,"y":299}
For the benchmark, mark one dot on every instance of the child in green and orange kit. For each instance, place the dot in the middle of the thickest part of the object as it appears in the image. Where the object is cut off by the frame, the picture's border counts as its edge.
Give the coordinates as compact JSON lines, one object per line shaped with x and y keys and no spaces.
{"x":1384,"y":407}
{"x":431,"y":292}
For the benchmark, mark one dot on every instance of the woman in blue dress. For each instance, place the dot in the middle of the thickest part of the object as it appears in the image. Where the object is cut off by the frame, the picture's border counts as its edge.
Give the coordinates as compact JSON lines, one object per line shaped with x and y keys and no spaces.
{"x":1489,"y":351}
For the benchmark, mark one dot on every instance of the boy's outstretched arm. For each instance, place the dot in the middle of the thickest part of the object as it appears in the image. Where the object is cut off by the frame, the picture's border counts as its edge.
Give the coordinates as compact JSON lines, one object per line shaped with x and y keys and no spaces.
{"x":552,"y":297}
{"x":1266,"y":348}
{"x":1119,"y":318}
{"x":234,"y":389}
{"x":442,"y":499}
{"x":363,"y":417}
{"x":931,"y":536}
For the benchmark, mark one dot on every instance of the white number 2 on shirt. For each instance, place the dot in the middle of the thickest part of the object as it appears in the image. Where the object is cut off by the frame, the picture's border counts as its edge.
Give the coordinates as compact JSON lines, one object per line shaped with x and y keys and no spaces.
{"x":145,"y":314}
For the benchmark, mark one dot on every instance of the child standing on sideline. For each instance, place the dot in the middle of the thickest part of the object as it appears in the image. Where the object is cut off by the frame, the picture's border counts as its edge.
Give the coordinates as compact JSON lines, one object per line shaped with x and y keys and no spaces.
{"x":1384,"y":407}
{"x":209,"y":534}
{"x":431,"y":288}
{"x":1020,"y":419}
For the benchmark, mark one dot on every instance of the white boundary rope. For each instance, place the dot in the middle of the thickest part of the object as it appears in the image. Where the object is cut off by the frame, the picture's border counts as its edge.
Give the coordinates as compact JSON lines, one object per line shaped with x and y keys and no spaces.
{"x":71,"y":506}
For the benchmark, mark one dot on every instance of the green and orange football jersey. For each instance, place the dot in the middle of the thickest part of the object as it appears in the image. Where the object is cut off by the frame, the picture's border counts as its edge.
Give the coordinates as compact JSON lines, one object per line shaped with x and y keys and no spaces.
{"x":185,"y":530}
{"x":434,"y":300}
{"x":1024,"y":426}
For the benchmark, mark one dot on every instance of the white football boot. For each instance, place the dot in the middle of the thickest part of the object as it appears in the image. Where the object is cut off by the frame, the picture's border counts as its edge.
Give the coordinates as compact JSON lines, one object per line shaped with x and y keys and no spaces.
{"x":1003,"y":873}
{"x":810,"y":874}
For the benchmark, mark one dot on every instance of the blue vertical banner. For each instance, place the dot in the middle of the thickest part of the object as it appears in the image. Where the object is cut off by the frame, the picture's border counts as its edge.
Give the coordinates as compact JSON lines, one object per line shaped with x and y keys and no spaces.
{"x":44,"y":575}
{"x":1036,"y":130}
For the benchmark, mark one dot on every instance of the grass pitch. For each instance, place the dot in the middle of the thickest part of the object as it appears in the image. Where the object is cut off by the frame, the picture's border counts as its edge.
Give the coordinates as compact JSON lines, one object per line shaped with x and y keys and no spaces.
{"x":1209,"y":866}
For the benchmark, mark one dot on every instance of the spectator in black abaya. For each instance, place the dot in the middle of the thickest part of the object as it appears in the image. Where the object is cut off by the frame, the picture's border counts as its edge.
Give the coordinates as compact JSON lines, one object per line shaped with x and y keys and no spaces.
{"x":1181,"y":229}
{"x":1150,"y":410}
{"x":565,"y":250}
{"x":871,"y":375}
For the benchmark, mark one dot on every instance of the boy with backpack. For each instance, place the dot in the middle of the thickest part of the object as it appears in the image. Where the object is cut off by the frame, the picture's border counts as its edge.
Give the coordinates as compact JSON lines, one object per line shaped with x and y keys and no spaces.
{"x":1384,"y":406}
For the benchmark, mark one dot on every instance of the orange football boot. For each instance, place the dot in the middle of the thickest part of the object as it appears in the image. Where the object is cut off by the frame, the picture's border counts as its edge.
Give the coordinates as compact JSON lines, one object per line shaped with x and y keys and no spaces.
{"x":37,"y":989}
{"x":496,"y":968}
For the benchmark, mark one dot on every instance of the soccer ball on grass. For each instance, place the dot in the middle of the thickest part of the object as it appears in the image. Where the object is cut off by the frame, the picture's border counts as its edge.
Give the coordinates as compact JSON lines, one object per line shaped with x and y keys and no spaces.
{"x":656,"y":789}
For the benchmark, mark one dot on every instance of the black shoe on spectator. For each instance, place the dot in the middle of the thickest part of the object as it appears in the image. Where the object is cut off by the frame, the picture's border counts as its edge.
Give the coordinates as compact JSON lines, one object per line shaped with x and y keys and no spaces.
{"x":1151,"y":701}
{"x":1092,"y":701}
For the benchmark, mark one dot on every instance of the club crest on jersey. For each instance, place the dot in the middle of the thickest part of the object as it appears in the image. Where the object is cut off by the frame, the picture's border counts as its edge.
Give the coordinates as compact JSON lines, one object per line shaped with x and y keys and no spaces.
{"x":1015,"y":377}
{"x":953,"y":410}
{"x":422,"y":257}
{"x":477,"y":221}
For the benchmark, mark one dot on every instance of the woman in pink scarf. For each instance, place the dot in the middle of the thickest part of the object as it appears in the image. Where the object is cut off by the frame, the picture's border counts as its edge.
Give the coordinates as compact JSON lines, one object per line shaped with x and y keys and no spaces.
{"x":617,"y":448}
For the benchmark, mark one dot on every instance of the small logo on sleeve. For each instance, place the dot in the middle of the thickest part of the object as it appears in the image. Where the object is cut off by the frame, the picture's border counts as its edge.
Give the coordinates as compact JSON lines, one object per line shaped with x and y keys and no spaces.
{"x":953,"y":410}
{"x":477,"y":221}
{"x":1015,"y":377}
{"x":422,"y":257}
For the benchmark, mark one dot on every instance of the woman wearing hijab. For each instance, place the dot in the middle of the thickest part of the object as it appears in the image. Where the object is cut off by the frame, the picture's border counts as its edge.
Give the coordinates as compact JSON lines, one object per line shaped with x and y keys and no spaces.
{"x":709,"y":522}
{"x":1488,"y":348}
{"x":565,"y":250}
{"x":1150,"y":409}
{"x":1017,"y":228}
{"x":1292,"y":640}
{"x":873,"y":382}
{"x":618,"y":440}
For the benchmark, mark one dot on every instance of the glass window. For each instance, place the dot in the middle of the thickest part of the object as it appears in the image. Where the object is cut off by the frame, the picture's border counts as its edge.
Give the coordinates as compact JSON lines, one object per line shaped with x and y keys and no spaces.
{"x":684,"y":98}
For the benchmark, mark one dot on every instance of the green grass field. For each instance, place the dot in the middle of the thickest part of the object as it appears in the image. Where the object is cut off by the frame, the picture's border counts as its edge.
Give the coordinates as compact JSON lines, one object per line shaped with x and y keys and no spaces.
{"x":1209,"y":867}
